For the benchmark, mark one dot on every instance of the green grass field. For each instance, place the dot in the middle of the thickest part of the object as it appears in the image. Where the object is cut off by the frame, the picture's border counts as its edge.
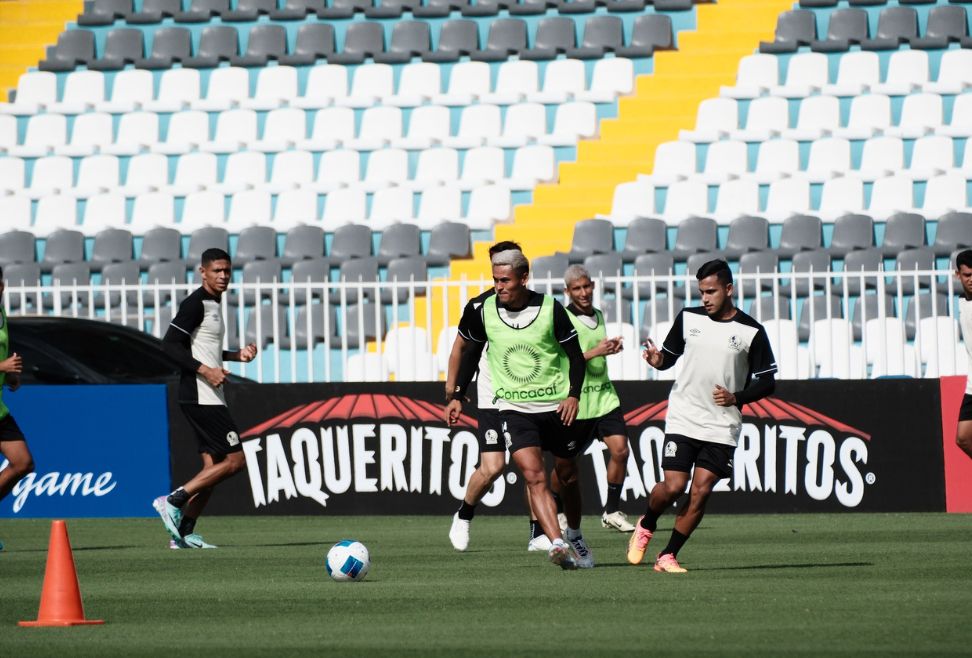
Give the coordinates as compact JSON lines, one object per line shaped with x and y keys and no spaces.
{"x":773,"y":584}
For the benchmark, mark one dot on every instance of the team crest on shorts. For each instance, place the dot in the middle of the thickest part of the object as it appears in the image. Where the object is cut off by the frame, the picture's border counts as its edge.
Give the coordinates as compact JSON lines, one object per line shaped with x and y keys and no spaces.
{"x":232,"y":438}
{"x":492,"y":437}
{"x":670,"y":449}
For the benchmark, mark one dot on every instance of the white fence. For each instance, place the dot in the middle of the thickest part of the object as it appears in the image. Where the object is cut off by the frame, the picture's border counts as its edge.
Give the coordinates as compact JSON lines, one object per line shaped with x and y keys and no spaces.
{"x":905,"y":323}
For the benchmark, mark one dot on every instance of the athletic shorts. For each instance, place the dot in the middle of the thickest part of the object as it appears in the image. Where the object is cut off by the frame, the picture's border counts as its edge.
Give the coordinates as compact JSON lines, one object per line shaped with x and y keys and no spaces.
{"x":681,"y":453}
{"x":965,"y":411}
{"x":9,"y":430}
{"x":547,"y":432}
{"x":215,"y":430}
{"x":490,"y":431}
{"x":610,"y":424}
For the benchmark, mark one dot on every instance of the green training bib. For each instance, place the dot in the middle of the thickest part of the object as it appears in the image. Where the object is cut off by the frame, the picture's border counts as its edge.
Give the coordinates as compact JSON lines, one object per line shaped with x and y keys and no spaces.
{"x":598,"y":396}
{"x":4,"y":353}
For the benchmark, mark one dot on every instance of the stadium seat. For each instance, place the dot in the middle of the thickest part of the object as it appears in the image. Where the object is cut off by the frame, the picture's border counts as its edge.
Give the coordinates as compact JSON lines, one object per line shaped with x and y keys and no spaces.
{"x":105,"y":12}
{"x":150,"y":210}
{"x":846,"y":27}
{"x":217,"y":43}
{"x":178,"y":88}
{"x":21,"y":275}
{"x":881,"y":157}
{"x":766,"y":118}
{"x":487,"y":205}
{"x":439,"y":204}
{"x":920,"y":114}
{"x":370,"y":84}
{"x":651,"y":268}
{"x":716,"y":118}
{"x":477,"y":125}
{"x":201,"y":11}
{"x":612,"y":77}
{"x":563,"y":79}
{"x":649,"y":33}
{"x":295,"y":207}
{"x":685,"y":199}
{"x":902,"y":231}
{"x":954,"y":74}
{"x":417,"y":84}
{"x":554,"y":36}
{"x":805,"y":73}
{"x":746,"y":234}
{"x":249,"y":208}
{"x":869,"y":114}
{"x":818,"y":116}
{"x":736,"y":198}
{"x":754,"y":264}
{"x":891,"y":194}
{"x":816,"y":309}
{"x":851,"y":232}
{"x":813,"y":266}
{"x":954,"y":230}
{"x":776,"y":159}
{"x":695,"y":235}
{"x":159,"y":246}
{"x":266,"y":323}
{"x":35,"y":90}
{"x":644,"y":235}
{"x":73,"y":48}
{"x":153,"y":11}
{"x":406,"y":272}
{"x":90,"y":133}
{"x":457,"y":38}
{"x":51,"y":175}
{"x":332,"y":127}
{"x":379,"y":127}
{"x":910,"y":261}
{"x":195,"y":172}
{"x":800,"y":233}
{"x":724,"y":160}
{"x":436,"y":166}
{"x":123,"y":46}
{"x":97,"y":174}
{"x":242,"y":170}
{"x":62,"y":246}
{"x":131,"y":89}
{"x":45,"y":133}
{"x":859,"y":71}
{"x":255,"y":243}
{"x":315,"y":41}
{"x":841,"y":196}
{"x":384,"y":169}
{"x":515,"y":80}
{"x":234,"y":130}
{"x":361,"y":278}
{"x":602,"y":34}
{"x":523,"y":124}
{"x":202,"y":210}
{"x":366,"y":367}
{"x":908,"y":71}
{"x":448,"y":240}
{"x":248,"y":10}
{"x":344,"y":205}
{"x":227,"y":88}
{"x":605,"y":268}
{"x":507,"y":36}
{"x":756,"y":75}
{"x":549,"y":269}
{"x":866,"y":261}
{"x":945,"y":25}
{"x":794,"y":28}
{"x":923,"y":306}
{"x":314,"y":325}
{"x":170,"y":45}
{"x":631,"y":201}
{"x":531,"y":165}
{"x":390,"y":206}
{"x":409,"y":39}
{"x":591,"y":236}
{"x":362,"y":40}
{"x":896,"y":26}
{"x":16,"y":247}
{"x":468,"y":81}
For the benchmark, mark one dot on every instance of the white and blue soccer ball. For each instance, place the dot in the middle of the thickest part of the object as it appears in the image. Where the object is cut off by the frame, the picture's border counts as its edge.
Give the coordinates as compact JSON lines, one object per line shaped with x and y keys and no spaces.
{"x":347,"y":561}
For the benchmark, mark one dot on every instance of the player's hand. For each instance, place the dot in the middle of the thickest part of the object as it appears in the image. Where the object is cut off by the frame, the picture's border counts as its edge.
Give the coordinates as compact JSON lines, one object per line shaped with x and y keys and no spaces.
{"x":12,"y":363}
{"x":618,"y":344}
{"x":651,"y":354}
{"x":215,"y":376}
{"x":453,"y":410}
{"x":13,"y":381}
{"x":567,"y":409}
{"x":248,"y":353}
{"x":723,"y":397}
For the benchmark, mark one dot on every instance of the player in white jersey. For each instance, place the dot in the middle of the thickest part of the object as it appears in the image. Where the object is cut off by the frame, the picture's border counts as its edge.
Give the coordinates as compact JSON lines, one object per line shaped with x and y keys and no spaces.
{"x":963,"y":271}
{"x":726,"y":362}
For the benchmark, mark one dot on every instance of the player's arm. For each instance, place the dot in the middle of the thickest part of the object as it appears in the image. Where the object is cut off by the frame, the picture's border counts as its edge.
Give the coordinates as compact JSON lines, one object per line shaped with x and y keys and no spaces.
{"x":761,"y":381}
{"x":177,"y":341}
{"x":12,"y":366}
{"x":472,"y":330}
{"x":244,"y":355}
{"x":566,"y":335}
{"x":606,"y":347}
{"x":452,"y":370}
{"x":671,"y":350}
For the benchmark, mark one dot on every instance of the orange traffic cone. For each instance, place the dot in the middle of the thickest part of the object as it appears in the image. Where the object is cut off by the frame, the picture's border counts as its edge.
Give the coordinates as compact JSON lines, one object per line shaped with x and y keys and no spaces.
{"x":60,"y":603}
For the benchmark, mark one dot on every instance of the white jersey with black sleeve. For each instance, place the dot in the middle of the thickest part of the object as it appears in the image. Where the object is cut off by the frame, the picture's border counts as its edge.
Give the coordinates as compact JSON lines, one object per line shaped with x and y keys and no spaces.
{"x":484,"y":386}
{"x":194,"y":337}
{"x":965,"y":321}
{"x":728,"y":353}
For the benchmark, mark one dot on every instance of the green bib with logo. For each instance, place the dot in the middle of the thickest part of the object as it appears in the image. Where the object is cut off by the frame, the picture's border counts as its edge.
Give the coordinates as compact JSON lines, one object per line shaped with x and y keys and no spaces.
{"x":526,"y":364}
{"x":598,"y":396}
{"x":4,"y":353}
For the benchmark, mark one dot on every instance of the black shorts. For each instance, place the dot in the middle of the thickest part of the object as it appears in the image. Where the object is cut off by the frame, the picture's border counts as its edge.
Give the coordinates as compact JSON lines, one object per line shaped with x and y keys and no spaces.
{"x":547,"y":432}
{"x":681,"y":453}
{"x":215,"y":430}
{"x":610,"y":424}
{"x":9,"y":430}
{"x":490,"y":431}
{"x":965,"y":411}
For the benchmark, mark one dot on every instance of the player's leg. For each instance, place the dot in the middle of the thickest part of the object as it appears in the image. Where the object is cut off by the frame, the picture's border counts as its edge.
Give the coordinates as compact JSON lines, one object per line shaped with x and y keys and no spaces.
{"x":963,"y":436}
{"x":558,"y":500}
{"x":687,"y":520}
{"x":191,"y":513}
{"x":566,"y":472}
{"x":612,"y":517}
{"x":538,"y":540}
{"x":19,"y":463}
{"x":492,"y":461}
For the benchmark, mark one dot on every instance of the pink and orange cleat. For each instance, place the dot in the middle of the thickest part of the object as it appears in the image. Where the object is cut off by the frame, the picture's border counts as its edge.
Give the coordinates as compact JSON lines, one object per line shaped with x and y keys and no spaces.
{"x":638,"y":543}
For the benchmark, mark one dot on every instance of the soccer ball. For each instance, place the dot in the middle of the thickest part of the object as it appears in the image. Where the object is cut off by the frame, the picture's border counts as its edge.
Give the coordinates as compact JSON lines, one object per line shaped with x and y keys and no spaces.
{"x":348,"y":560}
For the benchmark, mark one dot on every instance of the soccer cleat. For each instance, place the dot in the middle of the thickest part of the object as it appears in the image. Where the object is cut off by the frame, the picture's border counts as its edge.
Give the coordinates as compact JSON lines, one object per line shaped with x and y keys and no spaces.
{"x":559,"y":554}
{"x":666,"y":562}
{"x":176,"y":544}
{"x":195,"y":540}
{"x":562,"y":520}
{"x":638,"y":543}
{"x":582,"y":553}
{"x":540,"y":543}
{"x":616,"y":520}
{"x":459,"y":533}
{"x":171,"y":515}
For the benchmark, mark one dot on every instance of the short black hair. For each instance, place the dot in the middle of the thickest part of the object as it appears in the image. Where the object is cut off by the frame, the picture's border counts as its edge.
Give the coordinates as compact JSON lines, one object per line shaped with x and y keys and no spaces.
{"x":212,"y":254}
{"x":505,"y":245}
{"x":718,"y":267}
{"x":963,"y":258}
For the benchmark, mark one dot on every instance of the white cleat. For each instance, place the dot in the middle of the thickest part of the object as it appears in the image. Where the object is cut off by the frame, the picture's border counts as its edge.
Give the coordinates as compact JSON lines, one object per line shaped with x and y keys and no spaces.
{"x":562,"y":520}
{"x":616,"y":520}
{"x":540,"y":543}
{"x":582,"y":552}
{"x":559,"y":554}
{"x":459,"y":533}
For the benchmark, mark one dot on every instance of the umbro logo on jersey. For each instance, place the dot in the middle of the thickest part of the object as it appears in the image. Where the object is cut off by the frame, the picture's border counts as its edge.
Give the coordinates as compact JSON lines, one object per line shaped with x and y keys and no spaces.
{"x":670,"y":449}
{"x":695,"y":332}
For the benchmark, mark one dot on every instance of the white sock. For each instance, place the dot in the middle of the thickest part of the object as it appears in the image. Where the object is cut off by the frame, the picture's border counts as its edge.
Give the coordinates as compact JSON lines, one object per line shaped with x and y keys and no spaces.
{"x":572,"y":533}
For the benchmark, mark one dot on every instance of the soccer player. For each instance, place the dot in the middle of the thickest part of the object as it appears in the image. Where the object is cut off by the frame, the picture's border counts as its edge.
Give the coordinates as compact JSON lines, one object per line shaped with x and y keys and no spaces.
{"x":13,"y":445}
{"x":963,"y":271}
{"x":195,"y":339}
{"x":726,"y":362}
{"x":492,"y":451}
{"x":599,"y":400}
{"x":529,"y":335}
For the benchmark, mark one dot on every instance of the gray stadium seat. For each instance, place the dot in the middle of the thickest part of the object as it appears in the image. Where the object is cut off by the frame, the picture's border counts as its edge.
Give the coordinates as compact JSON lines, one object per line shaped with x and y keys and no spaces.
{"x":591,"y":236}
{"x":695,"y":262}
{"x":62,"y":246}
{"x":532,"y":7}
{"x":794,"y":28}
{"x":867,"y":307}
{"x":507,"y":36}
{"x":409,"y":39}
{"x":862,"y":260}
{"x":761,"y":262}
{"x":903,"y":230}
{"x":438,"y":8}
{"x":344,"y":8}
{"x":816,"y":262}
{"x":602,"y":34}
{"x":22,"y":275}
{"x":297,"y":10}
{"x":819,"y":3}
{"x":818,"y":306}
{"x":165,"y":274}
{"x":391,"y":8}
{"x":911,"y":260}
{"x":218,"y":43}
{"x":484,"y":8}
{"x":357,"y":271}
{"x":924,"y":305}
{"x":448,"y":240}
{"x":262,"y":272}
{"x":576,"y":6}
{"x":456,"y":38}
{"x":201,"y":11}
{"x":403,"y":270}
{"x":652,"y":265}
{"x":747,"y":234}
{"x":314,"y":271}
{"x":208,"y":237}
{"x":17,"y":247}
{"x":360,"y":323}
{"x":613,"y":307}
{"x":259,"y":325}
{"x":645,"y":235}
{"x":169,"y":45}
{"x":111,"y":245}
{"x":625,"y":5}
{"x":323,"y":326}
{"x":266,"y":42}
{"x":161,"y":244}
{"x":763,"y":308}
{"x":945,"y":25}
{"x":555,"y":35}
{"x":896,"y":25}
{"x":105,"y":12}
{"x":122,"y":46}
{"x":673,"y":5}
{"x":301,"y":243}
{"x":800,"y":233}
{"x":361,"y":41}
{"x":548,"y":267}
{"x":657,"y":310}
{"x":67,"y":275}
{"x":117,"y":274}
{"x":851,"y":232}
{"x":695,"y":234}
{"x":605,"y":267}
{"x":153,"y":11}
{"x":954,"y":230}
{"x":315,"y":41}
{"x":651,"y":32}
{"x":248,"y":10}
{"x":255,"y":243}
{"x":847,"y":26}
{"x":399,"y":241}
{"x":350,"y":241}
{"x":74,"y":48}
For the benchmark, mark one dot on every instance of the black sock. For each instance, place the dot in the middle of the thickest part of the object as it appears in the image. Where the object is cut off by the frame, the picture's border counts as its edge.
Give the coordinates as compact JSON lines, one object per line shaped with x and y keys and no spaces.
{"x":559,"y":503}
{"x":650,"y":520}
{"x":187,"y":526}
{"x":467,"y":511}
{"x":178,"y":498}
{"x":535,"y":529}
{"x":613,"y":497}
{"x":675,"y":543}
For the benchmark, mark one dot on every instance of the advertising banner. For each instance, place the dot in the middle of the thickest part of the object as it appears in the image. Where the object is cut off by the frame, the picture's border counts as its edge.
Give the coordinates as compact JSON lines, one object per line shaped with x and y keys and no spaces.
{"x":958,"y":466}
{"x":99,"y":451}
{"x":384,"y":449}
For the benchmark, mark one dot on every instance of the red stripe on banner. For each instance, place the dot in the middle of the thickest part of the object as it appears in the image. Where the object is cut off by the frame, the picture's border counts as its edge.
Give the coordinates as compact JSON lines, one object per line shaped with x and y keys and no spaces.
{"x":958,"y":466}
{"x":257,"y":430}
{"x":323,"y":410}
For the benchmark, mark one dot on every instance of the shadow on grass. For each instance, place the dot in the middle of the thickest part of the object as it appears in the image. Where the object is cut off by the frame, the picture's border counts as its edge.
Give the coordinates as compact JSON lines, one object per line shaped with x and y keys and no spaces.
{"x":751,"y":567}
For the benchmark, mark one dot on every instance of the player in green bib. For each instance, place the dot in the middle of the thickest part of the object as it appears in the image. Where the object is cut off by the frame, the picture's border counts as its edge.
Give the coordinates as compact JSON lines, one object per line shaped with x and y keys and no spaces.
{"x":13,"y":446}
{"x":599,"y":400}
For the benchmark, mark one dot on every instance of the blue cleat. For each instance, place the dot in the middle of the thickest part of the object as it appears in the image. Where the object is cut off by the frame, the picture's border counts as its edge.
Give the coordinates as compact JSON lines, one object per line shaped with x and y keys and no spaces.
{"x":171,"y":516}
